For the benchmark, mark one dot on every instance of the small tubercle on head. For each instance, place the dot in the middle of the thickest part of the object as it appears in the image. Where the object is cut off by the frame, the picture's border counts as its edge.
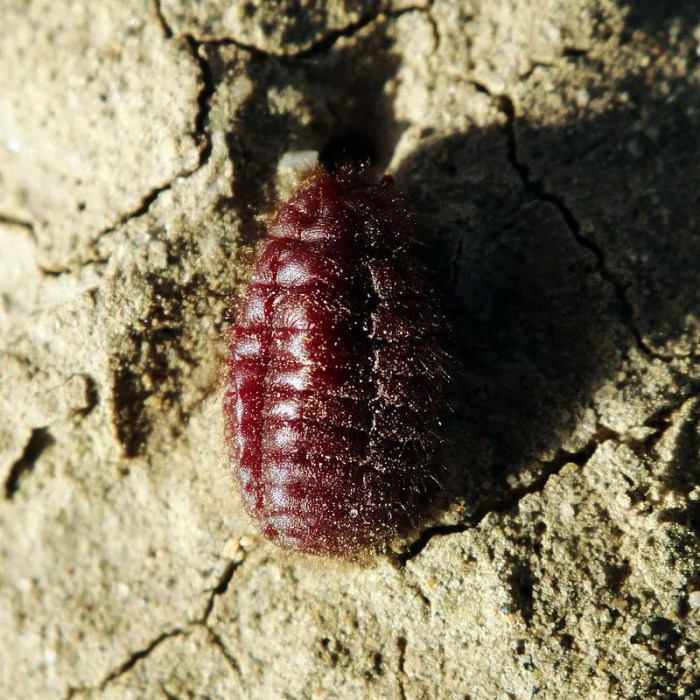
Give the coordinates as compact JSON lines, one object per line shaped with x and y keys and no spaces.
{"x":294,"y":167}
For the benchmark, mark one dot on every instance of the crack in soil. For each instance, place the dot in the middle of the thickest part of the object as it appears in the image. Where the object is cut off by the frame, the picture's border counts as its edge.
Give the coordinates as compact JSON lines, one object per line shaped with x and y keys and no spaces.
{"x":318,"y":47}
{"x":401,"y":644}
{"x":200,"y":132}
{"x":435,"y":29}
{"x":664,"y":418}
{"x":128,"y":664}
{"x":537,"y":190}
{"x":40,"y":440}
{"x":9,"y":220}
{"x":209,"y":85}
{"x":507,"y":504}
{"x":220,"y":589}
{"x":167,"y":30}
{"x":168,"y":695}
{"x":201,"y":122}
{"x":146,"y":651}
{"x":216,"y":641}
{"x":660,"y":422}
{"x":138,"y":655}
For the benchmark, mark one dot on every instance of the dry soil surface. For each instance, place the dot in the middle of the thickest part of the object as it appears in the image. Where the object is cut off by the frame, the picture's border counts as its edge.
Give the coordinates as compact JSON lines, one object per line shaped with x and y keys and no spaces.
{"x":552,"y":148}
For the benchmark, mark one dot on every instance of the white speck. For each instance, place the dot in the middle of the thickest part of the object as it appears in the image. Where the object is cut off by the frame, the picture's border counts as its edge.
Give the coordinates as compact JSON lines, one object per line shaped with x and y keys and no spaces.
{"x":123,"y":590}
{"x":298,"y":160}
{"x":353,"y":513}
{"x":694,"y":600}
{"x":25,"y":585}
{"x":582,"y":98}
{"x":13,"y":144}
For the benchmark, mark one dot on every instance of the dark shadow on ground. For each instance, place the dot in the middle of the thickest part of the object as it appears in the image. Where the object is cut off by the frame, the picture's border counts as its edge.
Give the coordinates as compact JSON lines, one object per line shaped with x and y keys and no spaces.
{"x":538,"y":329}
{"x":556,"y":248}
{"x":652,"y":15}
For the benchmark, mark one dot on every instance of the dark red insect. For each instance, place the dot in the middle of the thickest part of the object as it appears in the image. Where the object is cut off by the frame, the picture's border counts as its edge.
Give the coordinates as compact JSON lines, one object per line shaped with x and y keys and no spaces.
{"x":335,"y":371}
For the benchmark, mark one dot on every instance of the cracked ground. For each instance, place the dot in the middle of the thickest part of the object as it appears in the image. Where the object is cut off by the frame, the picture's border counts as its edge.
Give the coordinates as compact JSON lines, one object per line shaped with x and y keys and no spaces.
{"x":551,"y":149}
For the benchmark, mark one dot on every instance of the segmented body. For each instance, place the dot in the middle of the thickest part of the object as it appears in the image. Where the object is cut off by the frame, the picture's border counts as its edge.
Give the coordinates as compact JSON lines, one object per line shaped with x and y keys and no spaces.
{"x":335,"y":371}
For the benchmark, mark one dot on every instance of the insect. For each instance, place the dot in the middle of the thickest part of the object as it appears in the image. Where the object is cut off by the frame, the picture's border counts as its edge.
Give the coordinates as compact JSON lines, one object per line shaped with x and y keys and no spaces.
{"x":335,"y":371}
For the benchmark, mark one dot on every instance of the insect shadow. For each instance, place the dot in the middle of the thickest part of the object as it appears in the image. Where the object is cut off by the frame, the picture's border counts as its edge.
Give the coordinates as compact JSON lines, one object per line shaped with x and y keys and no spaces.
{"x":651,"y":14}
{"x":543,"y":316}
{"x":558,"y":249}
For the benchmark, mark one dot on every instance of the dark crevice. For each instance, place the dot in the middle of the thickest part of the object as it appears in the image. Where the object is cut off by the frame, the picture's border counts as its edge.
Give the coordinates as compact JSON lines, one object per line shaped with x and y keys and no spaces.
{"x":663,"y":419}
{"x":167,"y":31}
{"x":13,"y":221}
{"x":219,"y":644}
{"x":138,"y":656}
{"x":220,"y":588}
{"x":20,"y":223}
{"x":401,"y":644}
{"x":92,"y":396}
{"x":507,"y":504}
{"x":327,"y":42}
{"x":251,"y":49}
{"x":319,"y":47}
{"x":419,"y":544}
{"x":58,"y":271}
{"x":534,"y":65}
{"x":69,"y":270}
{"x":201,"y":122}
{"x":201,"y":135}
{"x":481,"y":88}
{"x":660,"y":421}
{"x":168,"y":694}
{"x":425,"y":601}
{"x":436,"y":30}
{"x":142,"y":208}
{"x":38,"y":442}
{"x":574,"y":52}
{"x":537,"y":191}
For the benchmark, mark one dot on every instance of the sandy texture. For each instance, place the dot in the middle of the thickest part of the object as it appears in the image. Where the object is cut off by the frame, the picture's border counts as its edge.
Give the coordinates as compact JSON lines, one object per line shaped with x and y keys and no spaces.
{"x":552,"y":148}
